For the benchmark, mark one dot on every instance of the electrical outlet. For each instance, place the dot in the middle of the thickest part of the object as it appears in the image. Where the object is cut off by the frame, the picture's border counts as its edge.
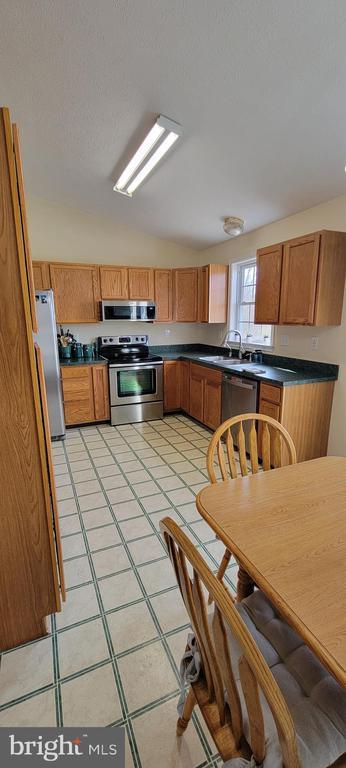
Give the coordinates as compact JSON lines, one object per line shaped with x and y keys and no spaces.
{"x":167,"y":331}
{"x":314,"y":342}
{"x":284,"y":341}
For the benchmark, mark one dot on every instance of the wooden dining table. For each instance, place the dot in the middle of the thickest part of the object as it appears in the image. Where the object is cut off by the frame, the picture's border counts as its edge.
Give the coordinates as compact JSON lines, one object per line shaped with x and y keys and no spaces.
{"x":287,"y":530}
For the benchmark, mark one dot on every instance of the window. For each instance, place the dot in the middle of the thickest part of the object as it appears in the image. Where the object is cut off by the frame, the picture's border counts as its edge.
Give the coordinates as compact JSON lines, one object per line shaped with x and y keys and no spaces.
{"x":243,"y":306}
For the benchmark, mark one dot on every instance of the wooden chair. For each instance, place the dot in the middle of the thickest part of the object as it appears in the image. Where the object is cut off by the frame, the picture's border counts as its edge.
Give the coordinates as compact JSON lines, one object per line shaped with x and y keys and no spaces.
{"x":272,"y":442}
{"x":216,"y":692}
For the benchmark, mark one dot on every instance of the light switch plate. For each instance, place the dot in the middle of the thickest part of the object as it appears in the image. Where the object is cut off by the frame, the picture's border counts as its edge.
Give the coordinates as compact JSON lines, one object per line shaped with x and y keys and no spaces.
{"x":284,"y":340}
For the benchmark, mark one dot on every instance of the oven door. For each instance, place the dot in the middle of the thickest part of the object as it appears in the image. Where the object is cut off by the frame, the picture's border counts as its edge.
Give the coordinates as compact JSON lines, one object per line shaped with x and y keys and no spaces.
{"x":136,"y":383}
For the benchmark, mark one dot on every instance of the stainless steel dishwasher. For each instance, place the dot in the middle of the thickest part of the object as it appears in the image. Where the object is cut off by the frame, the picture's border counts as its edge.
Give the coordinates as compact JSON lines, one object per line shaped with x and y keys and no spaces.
{"x":238,"y":396}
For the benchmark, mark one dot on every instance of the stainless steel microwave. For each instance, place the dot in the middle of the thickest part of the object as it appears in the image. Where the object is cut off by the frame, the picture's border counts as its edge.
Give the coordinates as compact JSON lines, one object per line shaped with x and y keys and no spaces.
{"x":137,"y":311}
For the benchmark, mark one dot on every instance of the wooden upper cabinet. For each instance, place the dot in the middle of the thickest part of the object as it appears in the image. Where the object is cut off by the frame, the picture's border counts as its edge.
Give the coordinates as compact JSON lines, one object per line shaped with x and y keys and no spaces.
{"x":41,"y":275}
{"x":268,"y":282}
{"x":213,"y":293}
{"x":141,"y":283}
{"x":114,"y":282}
{"x":163,"y":295}
{"x":76,"y":292}
{"x":185,"y":294}
{"x":299,"y":280}
{"x":203,"y":294}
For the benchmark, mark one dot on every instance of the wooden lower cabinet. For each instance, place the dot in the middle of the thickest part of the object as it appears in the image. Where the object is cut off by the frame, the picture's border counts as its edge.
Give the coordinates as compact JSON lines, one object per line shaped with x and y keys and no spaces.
{"x":212,"y":399}
{"x":101,"y":392}
{"x":85,"y":393}
{"x":205,"y":395}
{"x":305,"y":411}
{"x":196,"y":391}
{"x":171,"y":385}
{"x":185,"y":385}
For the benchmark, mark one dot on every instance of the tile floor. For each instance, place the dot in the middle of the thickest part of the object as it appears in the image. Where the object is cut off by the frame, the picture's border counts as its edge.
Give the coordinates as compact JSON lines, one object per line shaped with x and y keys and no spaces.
{"x":112,"y":655}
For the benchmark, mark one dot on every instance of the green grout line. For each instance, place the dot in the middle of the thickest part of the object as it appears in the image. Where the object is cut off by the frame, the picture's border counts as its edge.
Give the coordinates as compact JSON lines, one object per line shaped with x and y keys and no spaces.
{"x":56,"y":673}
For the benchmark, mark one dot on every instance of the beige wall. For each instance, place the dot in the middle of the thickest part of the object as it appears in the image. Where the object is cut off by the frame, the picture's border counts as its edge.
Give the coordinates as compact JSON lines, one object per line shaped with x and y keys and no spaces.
{"x":60,"y":233}
{"x":331,"y":341}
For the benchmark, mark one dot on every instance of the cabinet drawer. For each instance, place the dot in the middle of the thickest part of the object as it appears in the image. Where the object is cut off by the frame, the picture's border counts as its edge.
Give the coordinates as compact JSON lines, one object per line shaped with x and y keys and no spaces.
{"x":273,"y":394}
{"x":75,"y":389}
{"x":79,"y":412}
{"x":75,"y":372}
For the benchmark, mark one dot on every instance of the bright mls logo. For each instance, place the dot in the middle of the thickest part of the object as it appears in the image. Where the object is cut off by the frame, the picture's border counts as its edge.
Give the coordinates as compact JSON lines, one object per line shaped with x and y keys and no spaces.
{"x":30,"y":746}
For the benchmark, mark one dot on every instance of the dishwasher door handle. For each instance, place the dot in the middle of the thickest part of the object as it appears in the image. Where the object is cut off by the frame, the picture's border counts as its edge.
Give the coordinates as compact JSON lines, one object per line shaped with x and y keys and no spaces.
{"x":241,"y":384}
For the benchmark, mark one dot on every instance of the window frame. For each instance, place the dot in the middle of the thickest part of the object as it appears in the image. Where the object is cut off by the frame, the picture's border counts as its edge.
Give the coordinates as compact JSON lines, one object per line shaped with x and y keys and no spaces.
{"x":236,"y":271}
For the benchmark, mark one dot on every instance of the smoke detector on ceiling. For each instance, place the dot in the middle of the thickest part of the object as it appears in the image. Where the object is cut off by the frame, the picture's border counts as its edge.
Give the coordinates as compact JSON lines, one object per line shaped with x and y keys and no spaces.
{"x":233,"y":226}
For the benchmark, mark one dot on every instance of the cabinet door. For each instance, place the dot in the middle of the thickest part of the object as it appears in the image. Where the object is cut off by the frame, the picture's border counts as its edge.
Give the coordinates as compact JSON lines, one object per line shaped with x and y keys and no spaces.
{"x":41,"y":275}
{"x":196,"y":391}
{"x":299,"y":280}
{"x":268,"y":281}
{"x":163,"y":295}
{"x":76,"y":292}
{"x":185,"y":385}
{"x":24,"y":222}
{"x":212,"y":399}
{"x":171,"y":385}
{"x":185,"y":295}
{"x":114,"y":283}
{"x":100,"y":391}
{"x":141,"y":283}
{"x":273,"y":410}
{"x":78,"y":395}
{"x":203,"y":295}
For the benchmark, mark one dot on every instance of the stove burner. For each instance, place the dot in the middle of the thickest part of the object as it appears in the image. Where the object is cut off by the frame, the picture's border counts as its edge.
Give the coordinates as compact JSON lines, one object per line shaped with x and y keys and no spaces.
{"x":126,"y":349}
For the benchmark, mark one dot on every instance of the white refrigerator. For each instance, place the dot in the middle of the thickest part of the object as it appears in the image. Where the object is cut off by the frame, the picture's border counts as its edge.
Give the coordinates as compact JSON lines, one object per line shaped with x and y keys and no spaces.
{"x":46,"y":338}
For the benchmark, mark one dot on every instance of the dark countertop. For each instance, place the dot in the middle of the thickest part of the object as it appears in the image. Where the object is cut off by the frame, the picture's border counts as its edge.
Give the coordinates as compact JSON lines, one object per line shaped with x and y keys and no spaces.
{"x":299,"y":371}
{"x":98,"y":360}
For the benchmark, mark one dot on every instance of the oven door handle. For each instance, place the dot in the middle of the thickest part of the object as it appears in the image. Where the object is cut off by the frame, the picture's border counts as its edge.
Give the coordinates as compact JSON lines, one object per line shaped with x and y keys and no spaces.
{"x":138,"y":367}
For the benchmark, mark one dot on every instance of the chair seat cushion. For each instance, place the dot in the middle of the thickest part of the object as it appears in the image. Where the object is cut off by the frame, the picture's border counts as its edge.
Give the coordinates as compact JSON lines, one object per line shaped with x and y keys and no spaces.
{"x":316,"y":702}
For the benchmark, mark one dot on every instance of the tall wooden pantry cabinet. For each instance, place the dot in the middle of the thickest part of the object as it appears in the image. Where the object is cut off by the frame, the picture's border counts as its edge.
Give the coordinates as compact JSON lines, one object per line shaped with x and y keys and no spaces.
{"x":31,"y":573}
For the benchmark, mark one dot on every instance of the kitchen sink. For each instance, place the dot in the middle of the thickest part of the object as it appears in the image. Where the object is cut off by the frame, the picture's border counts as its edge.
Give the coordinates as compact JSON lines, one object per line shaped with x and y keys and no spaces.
{"x":220,"y":359}
{"x":251,"y":368}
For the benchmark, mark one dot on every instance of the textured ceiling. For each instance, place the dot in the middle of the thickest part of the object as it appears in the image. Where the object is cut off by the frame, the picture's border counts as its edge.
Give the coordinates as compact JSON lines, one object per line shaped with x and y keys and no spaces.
{"x":258,"y":85}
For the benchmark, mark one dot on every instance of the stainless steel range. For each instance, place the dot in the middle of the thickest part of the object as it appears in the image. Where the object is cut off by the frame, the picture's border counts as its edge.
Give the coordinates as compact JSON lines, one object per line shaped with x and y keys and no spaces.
{"x":135,"y":379}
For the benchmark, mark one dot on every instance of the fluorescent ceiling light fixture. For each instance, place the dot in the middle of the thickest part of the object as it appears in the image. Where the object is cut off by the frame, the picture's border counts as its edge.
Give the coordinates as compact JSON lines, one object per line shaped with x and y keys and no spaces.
{"x":161,"y":137}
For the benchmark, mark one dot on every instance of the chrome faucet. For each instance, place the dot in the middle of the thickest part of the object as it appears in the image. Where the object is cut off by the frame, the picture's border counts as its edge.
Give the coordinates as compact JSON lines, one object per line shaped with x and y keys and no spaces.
{"x":227,"y":343}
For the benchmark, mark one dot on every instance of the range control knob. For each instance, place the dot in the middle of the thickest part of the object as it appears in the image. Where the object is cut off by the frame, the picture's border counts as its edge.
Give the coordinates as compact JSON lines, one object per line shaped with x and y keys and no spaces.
{"x":110,"y":340}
